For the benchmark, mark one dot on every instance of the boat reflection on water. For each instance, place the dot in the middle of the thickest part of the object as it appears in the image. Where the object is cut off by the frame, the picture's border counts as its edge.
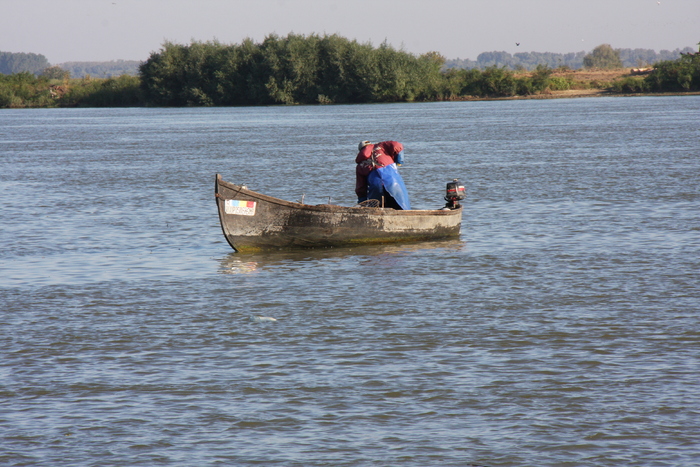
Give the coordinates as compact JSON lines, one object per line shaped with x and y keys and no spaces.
{"x":250,"y":263}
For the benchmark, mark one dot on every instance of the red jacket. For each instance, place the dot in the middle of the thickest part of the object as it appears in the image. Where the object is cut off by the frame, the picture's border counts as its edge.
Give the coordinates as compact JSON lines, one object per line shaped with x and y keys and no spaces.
{"x":371,"y":157}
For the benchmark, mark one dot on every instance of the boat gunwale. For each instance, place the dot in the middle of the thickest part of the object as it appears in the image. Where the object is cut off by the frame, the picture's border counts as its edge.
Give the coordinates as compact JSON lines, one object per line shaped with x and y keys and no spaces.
{"x":331,"y":207}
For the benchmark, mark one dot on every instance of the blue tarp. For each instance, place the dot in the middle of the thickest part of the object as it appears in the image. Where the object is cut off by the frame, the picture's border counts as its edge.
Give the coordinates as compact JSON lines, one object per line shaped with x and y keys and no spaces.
{"x":388,"y":178}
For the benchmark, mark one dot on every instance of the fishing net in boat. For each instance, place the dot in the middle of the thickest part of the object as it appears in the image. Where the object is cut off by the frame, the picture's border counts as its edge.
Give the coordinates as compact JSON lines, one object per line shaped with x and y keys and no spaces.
{"x":370,"y":203}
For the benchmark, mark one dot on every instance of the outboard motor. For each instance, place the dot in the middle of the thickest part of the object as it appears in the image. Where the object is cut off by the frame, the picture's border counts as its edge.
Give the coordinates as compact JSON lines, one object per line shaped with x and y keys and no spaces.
{"x":454,"y":193}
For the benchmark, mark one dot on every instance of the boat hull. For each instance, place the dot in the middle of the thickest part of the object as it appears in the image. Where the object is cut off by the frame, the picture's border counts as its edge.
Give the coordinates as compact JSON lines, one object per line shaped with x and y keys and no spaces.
{"x":253,"y":221}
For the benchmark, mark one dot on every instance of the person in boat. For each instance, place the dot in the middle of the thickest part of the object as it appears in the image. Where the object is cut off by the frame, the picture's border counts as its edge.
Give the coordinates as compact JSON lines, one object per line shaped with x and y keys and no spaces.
{"x":377,"y":174}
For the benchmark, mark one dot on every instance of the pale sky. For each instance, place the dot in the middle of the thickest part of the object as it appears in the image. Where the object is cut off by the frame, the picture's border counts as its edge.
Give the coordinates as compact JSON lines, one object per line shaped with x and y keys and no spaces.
{"x":104,"y":30}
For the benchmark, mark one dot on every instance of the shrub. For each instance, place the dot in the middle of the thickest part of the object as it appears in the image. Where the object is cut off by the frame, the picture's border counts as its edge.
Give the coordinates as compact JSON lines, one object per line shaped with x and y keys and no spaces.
{"x":498,"y":82}
{"x":677,"y":75}
{"x":630,"y":84}
{"x":24,"y":90}
{"x":541,"y":78}
{"x":123,"y":91}
{"x":560,"y":83}
{"x":524,"y":86}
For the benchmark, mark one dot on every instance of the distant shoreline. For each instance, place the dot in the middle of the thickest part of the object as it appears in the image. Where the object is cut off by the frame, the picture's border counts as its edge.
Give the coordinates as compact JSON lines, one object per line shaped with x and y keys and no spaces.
{"x":127,"y":91}
{"x":587,"y":83}
{"x":578,"y":94}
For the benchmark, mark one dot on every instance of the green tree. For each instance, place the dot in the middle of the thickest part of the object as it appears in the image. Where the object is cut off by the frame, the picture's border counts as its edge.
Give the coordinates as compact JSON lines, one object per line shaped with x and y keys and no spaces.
{"x":333,"y":69}
{"x":295,"y":69}
{"x":181,"y":75}
{"x":677,"y":75}
{"x":603,"y":56}
{"x":55,"y":72}
{"x":430,"y":80}
{"x":498,"y":82}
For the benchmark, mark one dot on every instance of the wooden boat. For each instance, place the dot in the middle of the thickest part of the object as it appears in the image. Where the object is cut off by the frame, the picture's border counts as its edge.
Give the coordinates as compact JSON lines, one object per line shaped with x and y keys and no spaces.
{"x":253,"y":221}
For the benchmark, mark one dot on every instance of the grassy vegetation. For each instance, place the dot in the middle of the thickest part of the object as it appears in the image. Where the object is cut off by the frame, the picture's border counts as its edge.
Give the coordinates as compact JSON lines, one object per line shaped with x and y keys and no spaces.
{"x":24,"y":90}
{"x":630,"y":85}
{"x":123,"y":91}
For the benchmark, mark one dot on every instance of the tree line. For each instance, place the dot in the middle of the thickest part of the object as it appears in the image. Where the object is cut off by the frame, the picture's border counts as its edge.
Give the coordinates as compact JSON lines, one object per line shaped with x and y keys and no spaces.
{"x":299,"y":69}
{"x":313,"y":69}
{"x":327,"y":69}
{"x":287,"y":70}
{"x":11,"y":63}
{"x":19,"y":62}
{"x":101,"y":69}
{"x":630,"y":58}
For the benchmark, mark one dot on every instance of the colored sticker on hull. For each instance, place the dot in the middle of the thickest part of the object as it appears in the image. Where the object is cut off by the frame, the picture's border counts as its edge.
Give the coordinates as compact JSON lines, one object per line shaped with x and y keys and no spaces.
{"x":238,"y":207}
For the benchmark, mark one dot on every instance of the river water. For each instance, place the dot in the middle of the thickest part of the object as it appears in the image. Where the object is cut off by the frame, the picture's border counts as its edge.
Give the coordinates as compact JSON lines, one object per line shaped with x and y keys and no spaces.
{"x":561,"y":329}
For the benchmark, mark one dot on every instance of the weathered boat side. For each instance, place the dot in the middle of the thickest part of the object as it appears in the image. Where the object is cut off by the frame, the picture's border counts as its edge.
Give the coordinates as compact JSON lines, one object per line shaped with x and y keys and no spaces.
{"x":253,"y":221}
